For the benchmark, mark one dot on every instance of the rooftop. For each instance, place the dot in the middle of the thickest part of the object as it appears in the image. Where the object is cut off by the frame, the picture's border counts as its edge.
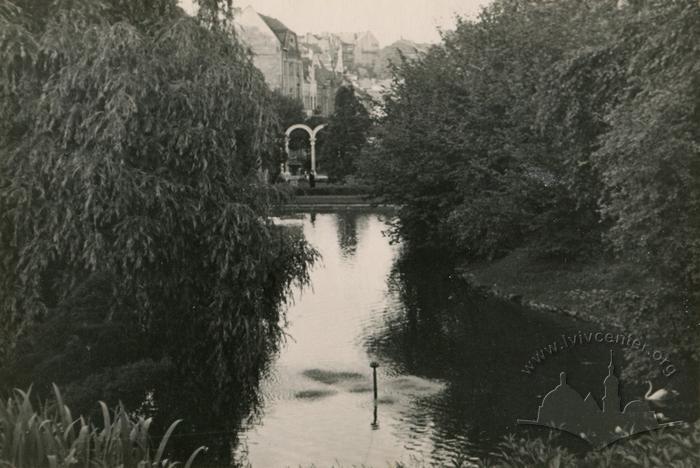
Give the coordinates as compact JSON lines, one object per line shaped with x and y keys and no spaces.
{"x":276,"y":25}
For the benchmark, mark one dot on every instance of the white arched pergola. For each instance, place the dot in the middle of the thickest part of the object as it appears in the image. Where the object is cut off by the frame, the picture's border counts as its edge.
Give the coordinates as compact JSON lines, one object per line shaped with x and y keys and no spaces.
{"x":312,"y":138}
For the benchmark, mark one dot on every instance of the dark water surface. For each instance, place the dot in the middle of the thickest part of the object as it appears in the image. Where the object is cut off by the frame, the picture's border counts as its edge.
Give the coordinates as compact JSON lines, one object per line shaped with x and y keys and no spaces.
{"x":450,"y":378}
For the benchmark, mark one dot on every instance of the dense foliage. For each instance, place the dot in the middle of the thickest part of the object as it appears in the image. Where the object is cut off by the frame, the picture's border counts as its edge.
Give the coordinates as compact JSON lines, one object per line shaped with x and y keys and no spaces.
{"x":568,"y":127}
{"x":133,"y":214}
{"x":345,"y":135}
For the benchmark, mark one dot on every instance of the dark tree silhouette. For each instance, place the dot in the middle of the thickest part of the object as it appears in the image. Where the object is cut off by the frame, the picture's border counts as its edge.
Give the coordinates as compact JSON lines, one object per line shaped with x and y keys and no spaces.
{"x":346,"y":134}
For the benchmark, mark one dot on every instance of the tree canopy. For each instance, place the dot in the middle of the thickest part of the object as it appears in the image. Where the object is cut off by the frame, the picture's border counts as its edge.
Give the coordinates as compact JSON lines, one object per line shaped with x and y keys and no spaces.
{"x":569,"y":127}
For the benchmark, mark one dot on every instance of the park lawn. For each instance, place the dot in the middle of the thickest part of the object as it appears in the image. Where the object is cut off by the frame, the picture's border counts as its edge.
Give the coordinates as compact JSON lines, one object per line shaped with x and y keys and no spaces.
{"x":561,"y":285}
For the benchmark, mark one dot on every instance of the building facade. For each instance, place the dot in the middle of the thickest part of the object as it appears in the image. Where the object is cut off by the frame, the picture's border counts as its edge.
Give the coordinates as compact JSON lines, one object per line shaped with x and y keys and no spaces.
{"x":366,"y":53}
{"x":275,"y":51}
{"x":309,"y":68}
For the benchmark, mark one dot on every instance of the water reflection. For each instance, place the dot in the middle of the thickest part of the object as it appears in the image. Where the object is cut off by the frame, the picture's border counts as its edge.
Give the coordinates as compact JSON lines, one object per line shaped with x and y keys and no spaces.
{"x":450,"y":380}
{"x":347,"y":226}
{"x":434,"y":328}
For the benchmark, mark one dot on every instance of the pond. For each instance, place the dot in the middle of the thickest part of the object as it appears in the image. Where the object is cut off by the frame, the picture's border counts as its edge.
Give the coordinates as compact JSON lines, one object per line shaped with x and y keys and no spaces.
{"x":450,"y":379}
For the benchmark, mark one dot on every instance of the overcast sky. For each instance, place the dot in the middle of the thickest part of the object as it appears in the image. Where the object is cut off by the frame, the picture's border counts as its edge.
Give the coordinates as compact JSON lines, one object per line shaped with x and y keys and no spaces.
{"x":389,"y":20}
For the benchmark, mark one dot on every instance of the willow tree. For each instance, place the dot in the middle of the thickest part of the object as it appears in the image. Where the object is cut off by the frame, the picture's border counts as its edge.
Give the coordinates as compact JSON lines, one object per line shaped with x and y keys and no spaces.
{"x":131,"y":140}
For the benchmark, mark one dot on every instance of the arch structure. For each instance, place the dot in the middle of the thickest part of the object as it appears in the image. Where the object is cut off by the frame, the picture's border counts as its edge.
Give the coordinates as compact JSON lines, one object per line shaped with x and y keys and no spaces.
{"x":312,"y":139}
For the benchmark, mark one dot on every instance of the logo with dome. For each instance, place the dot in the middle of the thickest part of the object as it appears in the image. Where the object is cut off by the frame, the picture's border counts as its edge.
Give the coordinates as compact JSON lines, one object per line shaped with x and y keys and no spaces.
{"x":564,"y":409}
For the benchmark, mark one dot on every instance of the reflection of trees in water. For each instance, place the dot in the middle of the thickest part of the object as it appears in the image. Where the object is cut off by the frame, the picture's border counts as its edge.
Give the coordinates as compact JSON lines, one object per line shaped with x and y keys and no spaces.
{"x":434,"y":327}
{"x":347,"y":227}
{"x":431,"y":319}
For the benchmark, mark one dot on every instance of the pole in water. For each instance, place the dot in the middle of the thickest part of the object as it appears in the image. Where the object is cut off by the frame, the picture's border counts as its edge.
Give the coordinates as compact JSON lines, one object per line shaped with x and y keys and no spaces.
{"x":375,"y":423}
{"x":374,"y":365}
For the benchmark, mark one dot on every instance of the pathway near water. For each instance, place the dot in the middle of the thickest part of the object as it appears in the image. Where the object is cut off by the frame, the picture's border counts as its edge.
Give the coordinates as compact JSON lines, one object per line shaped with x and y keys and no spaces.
{"x":450,"y":380}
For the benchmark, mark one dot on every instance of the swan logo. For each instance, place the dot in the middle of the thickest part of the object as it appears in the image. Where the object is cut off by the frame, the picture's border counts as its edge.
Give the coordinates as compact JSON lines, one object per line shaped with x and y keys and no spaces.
{"x":564,"y":409}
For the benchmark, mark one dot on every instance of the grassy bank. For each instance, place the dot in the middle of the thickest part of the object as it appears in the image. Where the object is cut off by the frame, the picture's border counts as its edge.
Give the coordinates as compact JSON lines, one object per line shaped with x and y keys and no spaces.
{"x":614,"y":295}
{"x":572,"y":288}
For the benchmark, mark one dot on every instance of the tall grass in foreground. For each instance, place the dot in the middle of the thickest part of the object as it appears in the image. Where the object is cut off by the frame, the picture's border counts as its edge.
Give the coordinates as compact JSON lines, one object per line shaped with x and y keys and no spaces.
{"x":50,"y":437}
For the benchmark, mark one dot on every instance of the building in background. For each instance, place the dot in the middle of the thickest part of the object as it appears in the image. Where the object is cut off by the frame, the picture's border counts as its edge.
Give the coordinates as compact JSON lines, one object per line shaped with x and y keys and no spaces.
{"x":275,"y":51}
{"x":308,"y":68}
{"x":309,"y":87}
{"x":365,"y":51}
{"x":347,"y":47}
{"x":311,"y":67}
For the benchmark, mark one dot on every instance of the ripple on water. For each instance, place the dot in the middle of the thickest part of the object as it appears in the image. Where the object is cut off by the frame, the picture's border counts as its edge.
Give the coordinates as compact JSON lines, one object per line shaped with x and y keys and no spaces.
{"x":331,"y":377}
{"x":314,"y":394}
{"x":361,"y":388}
